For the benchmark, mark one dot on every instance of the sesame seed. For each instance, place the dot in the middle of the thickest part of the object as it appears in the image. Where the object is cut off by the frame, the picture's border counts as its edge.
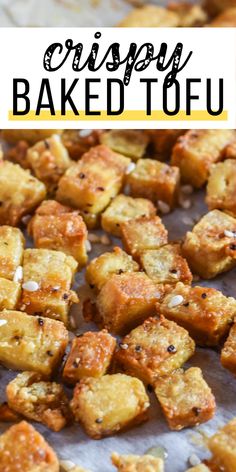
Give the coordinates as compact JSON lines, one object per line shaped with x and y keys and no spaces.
{"x":194,"y":460}
{"x":105,"y":240}
{"x":18,"y":275}
{"x":187,"y":221}
{"x":83,"y":133}
{"x":94,"y":238}
{"x":88,"y":245}
{"x":130,"y":168}
{"x":175,"y":301}
{"x":30,"y":286}
{"x":163,"y":207}
{"x":230,"y":234}
{"x":67,"y":465}
{"x":184,"y":202}
{"x":25,"y":219}
{"x":123,"y":346}
{"x":187,"y":189}
{"x":3,"y":322}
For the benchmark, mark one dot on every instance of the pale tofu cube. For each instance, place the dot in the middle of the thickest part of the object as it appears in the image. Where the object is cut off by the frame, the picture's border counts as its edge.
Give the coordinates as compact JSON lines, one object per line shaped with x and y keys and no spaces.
{"x":221,"y":187}
{"x":10,"y":293}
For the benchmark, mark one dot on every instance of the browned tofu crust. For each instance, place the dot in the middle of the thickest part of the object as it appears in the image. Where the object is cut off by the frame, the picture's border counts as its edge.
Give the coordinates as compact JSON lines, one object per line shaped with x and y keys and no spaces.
{"x":185,"y":398}
{"x":109,"y":404}
{"x":12,"y":244}
{"x":189,"y":14}
{"x":17,"y":154}
{"x":217,"y":6}
{"x":129,"y":142}
{"x":228,"y":353}
{"x":132,"y":463}
{"x":205,"y":312}
{"x":223,"y":447}
{"x":154,"y":349}
{"x":77,"y":142}
{"x":90,"y":356}
{"x":7,"y":415}
{"x":23,"y":448}
{"x":150,"y":16}
{"x":225,"y":19}
{"x":221,"y":187}
{"x":162,"y":141}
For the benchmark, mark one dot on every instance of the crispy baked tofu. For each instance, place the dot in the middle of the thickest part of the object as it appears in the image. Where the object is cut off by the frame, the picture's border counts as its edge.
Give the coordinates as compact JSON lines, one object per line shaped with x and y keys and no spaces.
{"x":196,"y":151}
{"x":125,"y":301}
{"x":48,"y":160}
{"x":11,"y":251}
{"x":100,"y":269}
{"x":90,"y":356}
{"x":131,"y":463}
{"x":150,"y":16}
{"x":124,"y":208}
{"x":10,"y":293}
{"x":229,"y":152}
{"x":90,"y":184}
{"x":225,"y":19}
{"x":23,"y":448}
{"x":55,"y":226}
{"x":141,"y":234}
{"x":47,"y":279}
{"x":205,"y":312}
{"x":210,"y":248}
{"x":31,"y":136}
{"x":217,"y":6}
{"x":228,"y":353}
{"x":166,"y":265}
{"x":129,"y":142}
{"x":153,"y":349}
{"x":77,"y":142}
{"x":109,"y":404}
{"x":7,"y":415}
{"x":162,"y":141}
{"x":31,"y":343}
{"x":45,"y":402}
{"x":17,"y":154}
{"x":223,"y":447}
{"x":185,"y":398}
{"x":154,"y":180}
{"x":189,"y":14}
{"x":20,"y":193}
{"x":221,"y":187}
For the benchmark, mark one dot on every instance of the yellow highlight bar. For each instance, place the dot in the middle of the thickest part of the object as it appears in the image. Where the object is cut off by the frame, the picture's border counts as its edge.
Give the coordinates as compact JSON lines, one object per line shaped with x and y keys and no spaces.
{"x":127,"y":115}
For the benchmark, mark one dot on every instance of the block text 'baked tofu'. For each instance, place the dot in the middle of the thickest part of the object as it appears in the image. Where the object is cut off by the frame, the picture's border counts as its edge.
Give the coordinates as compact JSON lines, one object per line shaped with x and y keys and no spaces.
{"x":154,"y":349}
{"x":129,"y":142}
{"x":205,"y":312}
{"x":185,"y":398}
{"x":221,"y":187}
{"x":131,"y":463}
{"x":11,"y":251}
{"x":228,"y":353}
{"x":31,"y":343}
{"x":210,"y":247}
{"x":223,"y":447}
{"x":109,"y":404}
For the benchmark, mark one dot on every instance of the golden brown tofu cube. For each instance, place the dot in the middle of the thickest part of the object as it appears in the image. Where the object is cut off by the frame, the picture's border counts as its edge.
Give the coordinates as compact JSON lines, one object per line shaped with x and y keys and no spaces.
{"x":11,"y":251}
{"x":166,"y":265}
{"x":133,"y":463}
{"x":55,"y":226}
{"x":124,"y":208}
{"x":210,"y":247}
{"x":100,"y":269}
{"x":162,"y":141}
{"x":197,"y":150}
{"x":126,"y":300}
{"x":17,"y":154}
{"x":20,"y":193}
{"x":141,"y":234}
{"x":223,"y":447}
{"x":221,"y":187}
{"x":189,"y":15}
{"x":109,"y":404}
{"x":205,"y":312}
{"x":225,"y":19}
{"x":216,"y":6}
{"x":48,"y":161}
{"x":154,"y":349}
{"x":77,"y":142}
{"x":23,"y":448}
{"x":228,"y":353}
{"x":30,"y":342}
{"x":32,"y":136}
{"x":91,"y":183}
{"x":10,"y":293}
{"x":155,"y":180}
{"x":47,"y":279}
{"x":185,"y":398}
{"x":150,"y":16}
{"x":30,"y":396}
{"x":129,"y":142}
{"x":90,"y":356}
{"x":229,"y":152}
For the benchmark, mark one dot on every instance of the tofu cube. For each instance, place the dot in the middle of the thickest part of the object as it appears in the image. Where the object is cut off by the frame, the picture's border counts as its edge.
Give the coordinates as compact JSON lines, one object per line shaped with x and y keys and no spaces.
{"x":101,"y":269}
{"x":17,"y":154}
{"x":10,"y":293}
{"x":47,"y":279}
{"x":228,"y":353}
{"x":23,"y":448}
{"x":146,"y":463}
{"x":141,"y":234}
{"x":154,"y":349}
{"x":124,"y":208}
{"x":189,"y":15}
{"x":45,"y":402}
{"x":221,"y":187}
{"x":229,"y":152}
{"x":205,"y":312}
{"x":109,"y":404}
{"x":92,"y":182}
{"x":48,"y":161}
{"x":210,"y":247}
{"x":125,"y":301}
{"x":55,"y":226}
{"x":32,"y":136}
{"x":20,"y":193}
{"x":185,"y":398}
{"x":11,"y":251}
{"x":77,"y":142}
{"x":166,"y":265}
{"x":223,"y":447}
{"x":154,"y":180}
{"x":150,"y":16}
{"x":162,"y":141}
{"x":30,"y":342}
{"x":196,"y":151}
{"x":129,"y":142}
{"x":7,"y":415}
{"x":90,"y":356}
{"x":225,"y":19}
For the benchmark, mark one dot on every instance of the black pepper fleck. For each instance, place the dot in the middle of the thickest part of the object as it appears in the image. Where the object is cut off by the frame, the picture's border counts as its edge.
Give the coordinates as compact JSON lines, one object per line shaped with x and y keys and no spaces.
{"x":186,"y":304}
{"x":171,"y":348}
{"x":75,"y":364}
{"x":173,"y":271}
{"x":138,"y":348}
{"x":81,"y":175}
{"x":49,"y":353}
{"x":150,"y":388}
{"x":65,"y":296}
{"x":101,"y":189}
{"x":196,"y":410}
{"x":46,"y":144}
{"x":204,"y":295}
{"x":98,"y":420}
{"x":120,"y":271}
{"x":233,"y":247}
{"x":91,"y":285}
{"x":40,"y":321}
